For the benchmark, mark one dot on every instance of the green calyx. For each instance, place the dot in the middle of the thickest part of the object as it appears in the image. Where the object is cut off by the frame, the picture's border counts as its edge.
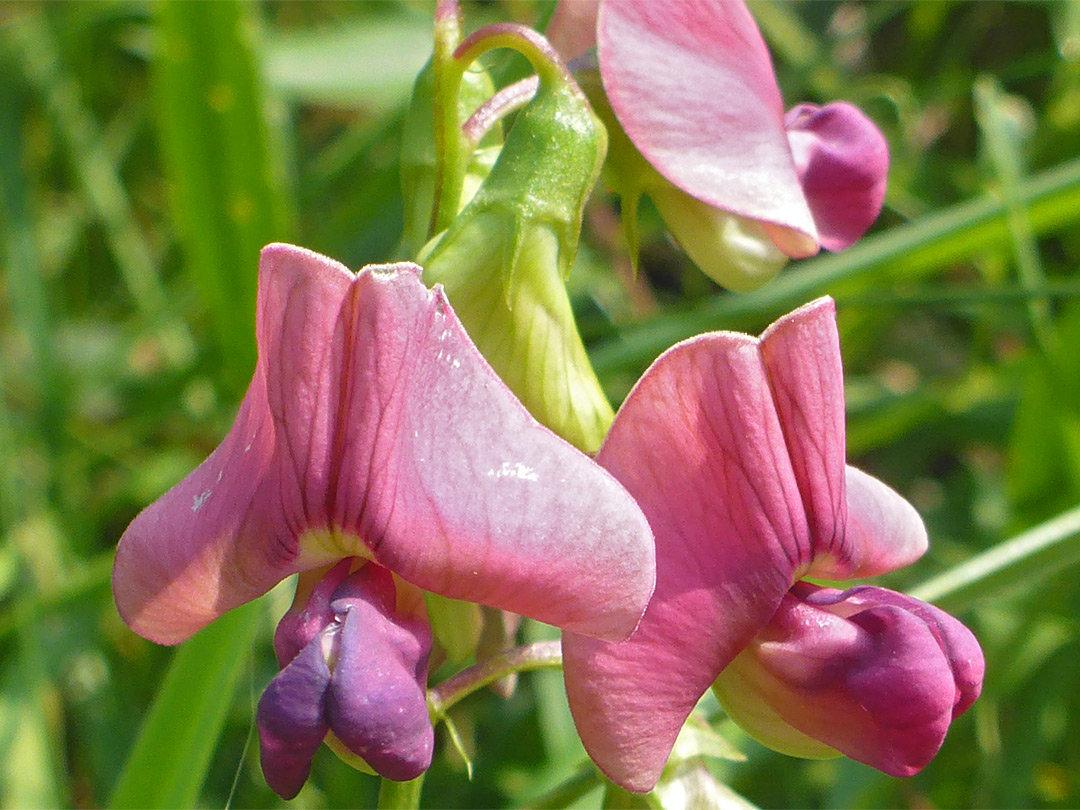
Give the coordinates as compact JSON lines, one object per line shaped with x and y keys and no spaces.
{"x":503,"y":260}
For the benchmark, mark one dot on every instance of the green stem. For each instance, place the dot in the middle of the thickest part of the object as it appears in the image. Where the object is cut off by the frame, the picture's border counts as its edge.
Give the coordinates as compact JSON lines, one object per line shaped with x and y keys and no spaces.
{"x":400,"y":795}
{"x":530,"y":44}
{"x":452,"y":146}
{"x":538,"y":655}
{"x":447,"y":73}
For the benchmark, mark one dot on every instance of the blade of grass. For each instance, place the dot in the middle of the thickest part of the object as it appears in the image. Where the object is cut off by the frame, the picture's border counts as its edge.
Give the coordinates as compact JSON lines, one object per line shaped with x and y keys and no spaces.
{"x":97,"y":176}
{"x":172,"y":753}
{"x":1052,"y":199}
{"x":225,"y":174}
{"x":1001,"y":133}
{"x":1021,"y":562}
{"x":26,"y":286}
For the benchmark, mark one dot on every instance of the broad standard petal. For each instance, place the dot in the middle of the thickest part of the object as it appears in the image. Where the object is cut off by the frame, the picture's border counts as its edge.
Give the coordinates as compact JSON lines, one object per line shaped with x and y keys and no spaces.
{"x":869,"y":673}
{"x":699,"y":443}
{"x":843,"y":162}
{"x":373,"y":428}
{"x":463,"y":493}
{"x":692,"y":84}
{"x":806,"y":377}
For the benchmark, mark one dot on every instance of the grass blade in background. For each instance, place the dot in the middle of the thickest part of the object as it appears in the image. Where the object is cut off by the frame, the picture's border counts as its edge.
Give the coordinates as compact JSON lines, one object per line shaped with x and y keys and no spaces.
{"x":172,"y":753}
{"x":1020,"y":563}
{"x":224,"y":172}
{"x":101,"y":185}
{"x":227,"y":202}
{"x":1052,"y":199}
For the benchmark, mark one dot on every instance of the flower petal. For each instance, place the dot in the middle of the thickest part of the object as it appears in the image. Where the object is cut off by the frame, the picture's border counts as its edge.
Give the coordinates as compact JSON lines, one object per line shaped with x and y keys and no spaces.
{"x":885,"y":529}
{"x":843,"y":162}
{"x":377,"y":703}
{"x":227,"y":532}
{"x":290,"y":720}
{"x":699,"y":443}
{"x":572,"y":29}
{"x":310,"y":612}
{"x":806,"y":376}
{"x":374,"y":428}
{"x":859,"y":526}
{"x":692,"y":84}
{"x":468,"y":496}
{"x":870,"y":673}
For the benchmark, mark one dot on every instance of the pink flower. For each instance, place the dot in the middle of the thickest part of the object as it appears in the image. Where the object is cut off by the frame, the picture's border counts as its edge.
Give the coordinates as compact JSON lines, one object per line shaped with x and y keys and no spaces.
{"x":374,"y":432}
{"x":692,"y":85}
{"x":734,"y":448}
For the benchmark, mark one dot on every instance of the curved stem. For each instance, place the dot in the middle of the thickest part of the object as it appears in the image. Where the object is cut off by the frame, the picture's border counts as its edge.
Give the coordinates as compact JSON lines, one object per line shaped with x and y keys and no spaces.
{"x":539,"y":655}
{"x":500,"y":105}
{"x":529,"y":43}
{"x":446,"y":74}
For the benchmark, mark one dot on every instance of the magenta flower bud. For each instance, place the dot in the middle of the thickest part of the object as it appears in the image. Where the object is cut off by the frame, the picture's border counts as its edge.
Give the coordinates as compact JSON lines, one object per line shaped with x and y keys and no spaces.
{"x":765,"y":498}
{"x":842,"y":161}
{"x":866,"y":672}
{"x":362,"y":676}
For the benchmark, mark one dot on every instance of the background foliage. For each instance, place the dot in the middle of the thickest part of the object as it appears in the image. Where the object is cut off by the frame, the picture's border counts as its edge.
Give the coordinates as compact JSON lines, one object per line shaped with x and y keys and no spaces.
{"x":148,"y":151}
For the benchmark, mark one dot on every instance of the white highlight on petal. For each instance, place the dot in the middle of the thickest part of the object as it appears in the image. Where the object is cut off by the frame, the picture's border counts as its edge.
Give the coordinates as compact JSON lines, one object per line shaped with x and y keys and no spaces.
{"x":200,"y":499}
{"x":514,"y":470}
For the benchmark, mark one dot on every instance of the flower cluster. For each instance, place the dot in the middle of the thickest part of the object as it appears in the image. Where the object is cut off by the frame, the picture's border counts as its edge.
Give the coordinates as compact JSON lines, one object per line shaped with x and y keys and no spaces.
{"x":380,"y":457}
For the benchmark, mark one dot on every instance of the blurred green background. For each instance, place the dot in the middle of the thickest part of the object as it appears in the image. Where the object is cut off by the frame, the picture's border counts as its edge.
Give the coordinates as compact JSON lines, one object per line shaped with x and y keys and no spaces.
{"x":147,"y":152}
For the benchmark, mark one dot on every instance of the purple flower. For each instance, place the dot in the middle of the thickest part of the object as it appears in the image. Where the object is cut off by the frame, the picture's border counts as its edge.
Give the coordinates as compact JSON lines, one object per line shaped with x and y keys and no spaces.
{"x":741,"y":185}
{"x":734,"y":448}
{"x":374,"y":432}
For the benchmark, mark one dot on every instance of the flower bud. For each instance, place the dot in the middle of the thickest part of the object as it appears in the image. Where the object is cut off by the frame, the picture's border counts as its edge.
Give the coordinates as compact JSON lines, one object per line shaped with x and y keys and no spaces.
{"x":353,"y":674}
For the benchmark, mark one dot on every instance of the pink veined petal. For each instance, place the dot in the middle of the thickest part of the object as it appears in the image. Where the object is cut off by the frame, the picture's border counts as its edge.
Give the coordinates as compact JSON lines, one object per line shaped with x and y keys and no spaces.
{"x":692,"y":84}
{"x":861,"y":671}
{"x":228,"y":531}
{"x":374,"y":428}
{"x":470,"y":497}
{"x":843,"y":162}
{"x":699,"y":444}
{"x":860,"y":527}
{"x":806,"y":376}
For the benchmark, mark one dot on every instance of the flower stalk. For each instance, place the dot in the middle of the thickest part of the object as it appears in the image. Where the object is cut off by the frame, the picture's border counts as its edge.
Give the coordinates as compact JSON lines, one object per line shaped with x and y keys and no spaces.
{"x":538,"y":655}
